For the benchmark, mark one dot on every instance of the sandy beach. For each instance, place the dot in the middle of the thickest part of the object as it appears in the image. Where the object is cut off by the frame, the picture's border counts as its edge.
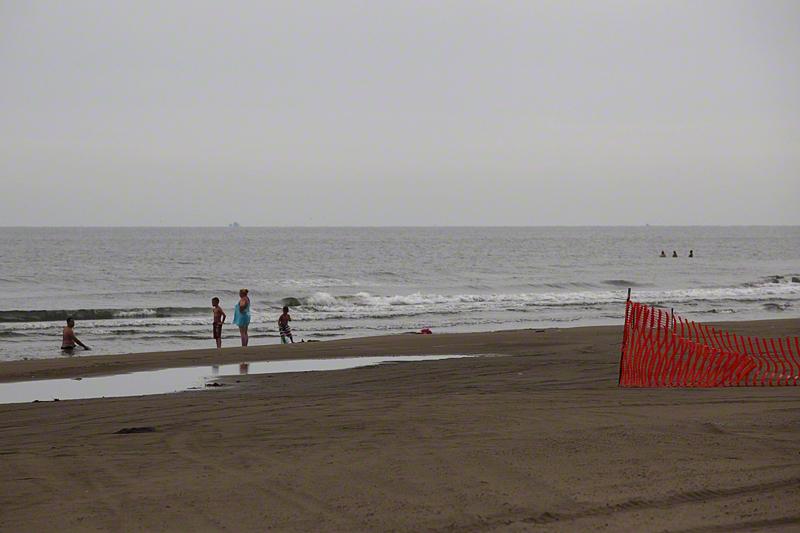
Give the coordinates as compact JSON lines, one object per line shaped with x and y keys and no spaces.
{"x":535,"y":436}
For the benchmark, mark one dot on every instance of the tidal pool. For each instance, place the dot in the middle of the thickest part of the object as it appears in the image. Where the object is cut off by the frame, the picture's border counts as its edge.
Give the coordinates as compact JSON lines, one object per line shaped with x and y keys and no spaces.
{"x":169,"y":380}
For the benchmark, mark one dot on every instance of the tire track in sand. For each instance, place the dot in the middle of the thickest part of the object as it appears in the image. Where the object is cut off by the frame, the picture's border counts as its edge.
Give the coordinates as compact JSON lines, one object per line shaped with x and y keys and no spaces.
{"x":636,"y":504}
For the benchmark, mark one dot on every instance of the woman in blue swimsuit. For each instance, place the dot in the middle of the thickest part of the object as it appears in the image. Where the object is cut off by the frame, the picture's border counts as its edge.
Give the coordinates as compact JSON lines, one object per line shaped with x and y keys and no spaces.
{"x":241,"y":315}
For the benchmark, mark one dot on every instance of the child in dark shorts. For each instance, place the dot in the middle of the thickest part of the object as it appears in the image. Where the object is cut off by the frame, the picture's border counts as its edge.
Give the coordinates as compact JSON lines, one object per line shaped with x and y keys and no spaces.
{"x":219,"y":319}
{"x":283,"y":326}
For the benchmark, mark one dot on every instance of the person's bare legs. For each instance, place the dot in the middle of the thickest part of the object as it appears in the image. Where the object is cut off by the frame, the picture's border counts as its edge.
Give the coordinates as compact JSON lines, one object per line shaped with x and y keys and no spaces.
{"x":219,"y":343}
{"x":243,"y":333}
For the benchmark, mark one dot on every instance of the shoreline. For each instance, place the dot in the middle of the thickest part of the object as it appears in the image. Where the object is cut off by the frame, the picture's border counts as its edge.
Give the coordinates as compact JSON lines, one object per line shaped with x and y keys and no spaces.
{"x":501,"y":342}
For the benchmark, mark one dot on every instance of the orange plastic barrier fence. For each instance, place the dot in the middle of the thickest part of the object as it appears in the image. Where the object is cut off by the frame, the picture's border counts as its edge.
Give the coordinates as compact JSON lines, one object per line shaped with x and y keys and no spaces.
{"x":661,"y":349}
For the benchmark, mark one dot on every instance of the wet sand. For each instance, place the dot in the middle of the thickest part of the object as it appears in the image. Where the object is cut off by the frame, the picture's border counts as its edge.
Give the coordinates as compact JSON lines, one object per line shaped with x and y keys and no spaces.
{"x":537,"y":437}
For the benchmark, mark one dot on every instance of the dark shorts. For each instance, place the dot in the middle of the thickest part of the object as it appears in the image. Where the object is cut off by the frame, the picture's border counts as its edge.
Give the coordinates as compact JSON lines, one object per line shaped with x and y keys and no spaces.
{"x":217,"y":331}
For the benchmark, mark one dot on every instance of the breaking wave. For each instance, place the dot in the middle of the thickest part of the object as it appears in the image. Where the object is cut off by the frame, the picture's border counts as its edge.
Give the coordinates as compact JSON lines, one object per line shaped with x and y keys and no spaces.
{"x":624,"y":283}
{"x":11,"y":334}
{"x":775,"y":293}
{"x":326,"y":302}
{"x":51,"y":315}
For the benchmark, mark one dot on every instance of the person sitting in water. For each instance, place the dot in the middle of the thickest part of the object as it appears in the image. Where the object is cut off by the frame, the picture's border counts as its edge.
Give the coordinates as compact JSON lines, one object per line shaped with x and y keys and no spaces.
{"x":663,"y":254}
{"x":691,"y":253}
{"x":68,"y":338}
{"x":283,"y":326}
{"x":674,"y":253}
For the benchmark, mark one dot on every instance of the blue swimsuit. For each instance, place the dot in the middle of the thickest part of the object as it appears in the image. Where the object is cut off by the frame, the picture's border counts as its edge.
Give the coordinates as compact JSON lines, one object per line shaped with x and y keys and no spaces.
{"x":240,"y":318}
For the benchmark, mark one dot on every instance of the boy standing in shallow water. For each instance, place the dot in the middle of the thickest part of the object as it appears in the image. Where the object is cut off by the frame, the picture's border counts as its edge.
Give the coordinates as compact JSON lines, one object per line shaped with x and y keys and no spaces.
{"x":283,"y":326}
{"x":219,"y":319}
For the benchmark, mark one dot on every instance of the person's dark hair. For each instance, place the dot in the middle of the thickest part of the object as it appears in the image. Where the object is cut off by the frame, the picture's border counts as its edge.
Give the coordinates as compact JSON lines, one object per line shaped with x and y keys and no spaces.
{"x":285,"y":309}
{"x":214,"y":300}
{"x":70,"y":319}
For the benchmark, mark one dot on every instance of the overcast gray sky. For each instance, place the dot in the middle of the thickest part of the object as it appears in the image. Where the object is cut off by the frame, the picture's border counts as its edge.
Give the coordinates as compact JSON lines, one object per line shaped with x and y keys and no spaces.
{"x":399,"y":113}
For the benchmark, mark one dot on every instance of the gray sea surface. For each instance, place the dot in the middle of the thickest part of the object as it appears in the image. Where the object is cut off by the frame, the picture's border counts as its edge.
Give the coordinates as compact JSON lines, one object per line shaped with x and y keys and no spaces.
{"x":146,"y":289}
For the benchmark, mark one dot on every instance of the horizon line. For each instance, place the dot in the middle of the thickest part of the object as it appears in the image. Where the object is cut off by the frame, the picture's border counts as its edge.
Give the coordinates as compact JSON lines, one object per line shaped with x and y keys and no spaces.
{"x":400,"y":226}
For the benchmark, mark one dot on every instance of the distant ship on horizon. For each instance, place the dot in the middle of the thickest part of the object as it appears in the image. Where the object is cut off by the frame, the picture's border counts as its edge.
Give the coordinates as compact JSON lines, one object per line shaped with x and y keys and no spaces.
{"x":234,"y":225}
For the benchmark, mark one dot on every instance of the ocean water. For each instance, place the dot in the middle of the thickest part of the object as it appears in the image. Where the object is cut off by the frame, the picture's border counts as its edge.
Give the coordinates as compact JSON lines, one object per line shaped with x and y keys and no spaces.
{"x":145,"y":289}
